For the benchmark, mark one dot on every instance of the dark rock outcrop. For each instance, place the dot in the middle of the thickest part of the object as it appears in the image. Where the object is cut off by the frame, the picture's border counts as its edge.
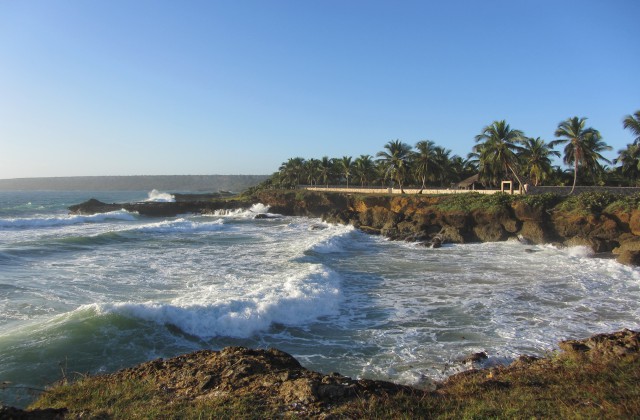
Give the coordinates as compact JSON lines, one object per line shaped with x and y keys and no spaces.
{"x":271,"y":375}
{"x":159,"y":209}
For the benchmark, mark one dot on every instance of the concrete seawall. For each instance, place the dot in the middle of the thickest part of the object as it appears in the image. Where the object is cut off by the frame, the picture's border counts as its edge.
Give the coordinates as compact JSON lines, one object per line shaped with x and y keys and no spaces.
{"x":433,"y":191}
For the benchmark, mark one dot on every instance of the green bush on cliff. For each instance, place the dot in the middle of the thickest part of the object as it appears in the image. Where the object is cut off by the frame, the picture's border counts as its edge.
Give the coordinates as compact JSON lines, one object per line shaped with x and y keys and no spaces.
{"x":625,"y":203}
{"x":469,"y":202}
{"x":588,"y":202}
{"x":546,"y":200}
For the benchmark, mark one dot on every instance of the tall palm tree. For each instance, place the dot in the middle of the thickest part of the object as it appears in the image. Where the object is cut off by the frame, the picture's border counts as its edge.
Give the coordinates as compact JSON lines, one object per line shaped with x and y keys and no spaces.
{"x":583,"y":146}
{"x":536,"y":159}
{"x":364,"y":168}
{"x":346,"y":166}
{"x":498,"y":147}
{"x":632,"y":122}
{"x":396,"y":161}
{"x":424,"y":162}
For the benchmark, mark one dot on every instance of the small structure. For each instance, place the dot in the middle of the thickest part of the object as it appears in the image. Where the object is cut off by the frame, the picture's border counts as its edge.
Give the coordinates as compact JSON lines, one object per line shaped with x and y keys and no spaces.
{"x":469,"y":183}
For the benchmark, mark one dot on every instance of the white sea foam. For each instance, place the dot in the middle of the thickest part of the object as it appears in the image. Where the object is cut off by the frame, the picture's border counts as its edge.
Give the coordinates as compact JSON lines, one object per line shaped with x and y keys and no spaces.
{"x":337,"y":299}
{"x":66,"y":220}
{"x":299,"y":299}
{"x":249,"y":213}
{"x":579,"y":251}
{"x":160,"y":197}
{"x":181,"y":225}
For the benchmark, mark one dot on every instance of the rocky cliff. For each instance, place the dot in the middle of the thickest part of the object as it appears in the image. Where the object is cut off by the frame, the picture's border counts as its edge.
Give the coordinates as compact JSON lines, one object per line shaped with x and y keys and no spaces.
{"x":601,"y":225}
{"x":472,"y":218}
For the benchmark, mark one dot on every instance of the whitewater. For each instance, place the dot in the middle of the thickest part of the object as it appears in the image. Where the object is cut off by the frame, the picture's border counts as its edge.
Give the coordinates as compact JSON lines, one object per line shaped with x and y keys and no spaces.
{"x":92,"y":294}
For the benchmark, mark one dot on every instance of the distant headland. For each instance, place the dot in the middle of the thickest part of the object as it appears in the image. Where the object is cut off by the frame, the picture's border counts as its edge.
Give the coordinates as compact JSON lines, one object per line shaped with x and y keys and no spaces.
{"x":192,"y":183}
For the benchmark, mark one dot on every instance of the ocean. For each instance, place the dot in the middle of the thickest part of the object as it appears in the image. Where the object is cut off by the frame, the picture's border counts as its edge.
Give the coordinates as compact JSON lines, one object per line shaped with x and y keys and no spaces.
{"x":92,"y":294}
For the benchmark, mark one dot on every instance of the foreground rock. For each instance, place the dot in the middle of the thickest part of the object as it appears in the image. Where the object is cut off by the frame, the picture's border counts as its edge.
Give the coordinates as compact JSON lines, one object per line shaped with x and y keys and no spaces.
{"x":596,"y":377}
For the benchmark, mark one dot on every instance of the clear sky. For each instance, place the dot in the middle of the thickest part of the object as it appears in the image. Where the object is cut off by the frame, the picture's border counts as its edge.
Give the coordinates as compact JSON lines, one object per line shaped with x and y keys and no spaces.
{"x":137,"y":87}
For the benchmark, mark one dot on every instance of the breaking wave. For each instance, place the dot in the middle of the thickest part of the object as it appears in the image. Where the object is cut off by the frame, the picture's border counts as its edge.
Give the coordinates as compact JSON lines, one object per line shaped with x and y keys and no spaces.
{"x":160,"y":197}
{"x":301,"y":298}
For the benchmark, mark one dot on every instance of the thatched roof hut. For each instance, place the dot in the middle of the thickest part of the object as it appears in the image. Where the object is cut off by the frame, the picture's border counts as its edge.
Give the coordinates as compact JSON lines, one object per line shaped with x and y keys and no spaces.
{"x":469,"y":183}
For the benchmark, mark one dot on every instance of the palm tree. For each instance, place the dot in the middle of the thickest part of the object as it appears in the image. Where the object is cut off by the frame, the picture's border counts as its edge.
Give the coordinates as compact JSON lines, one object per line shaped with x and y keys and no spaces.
{"x":632,"y":122}
{"x":291,"y":171}
{"x":535,"y":157}
{"x":497,"y":150}
{"x":424,"y":160}
{"x":461,"y":169}
{"x":444,"y":165}
{"x":364,"y":169}
{"x":346,"y":166}
{"x":629,"y":159}
{"x":325,"y":168}
{"x":583,"y":146}
{"x":396,"y":161}
{"x":312,"y":169}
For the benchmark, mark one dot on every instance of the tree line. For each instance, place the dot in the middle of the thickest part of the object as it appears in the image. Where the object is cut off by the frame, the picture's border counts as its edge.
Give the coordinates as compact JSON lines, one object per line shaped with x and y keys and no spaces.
{"x":500,"y":153}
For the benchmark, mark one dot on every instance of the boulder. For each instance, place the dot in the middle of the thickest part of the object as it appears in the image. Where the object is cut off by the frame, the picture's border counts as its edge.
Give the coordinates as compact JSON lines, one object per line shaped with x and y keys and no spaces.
{"x":627,"y":243}
{"x":451,"y":234}
{"x":525,"y":212}
{"x":491,"y":232}
{"x":534,"y":232}
{"x":617,"y":344}
{"x":631,"y":258}
{"x":596,"y":244}
{"x":634,"y":222}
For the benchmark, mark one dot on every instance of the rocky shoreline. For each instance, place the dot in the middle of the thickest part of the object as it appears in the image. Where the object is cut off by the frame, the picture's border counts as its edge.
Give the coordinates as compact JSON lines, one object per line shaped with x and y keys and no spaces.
{"x":240,"y":382}
{"x":431,"y":220}
{"x":270,"y":383}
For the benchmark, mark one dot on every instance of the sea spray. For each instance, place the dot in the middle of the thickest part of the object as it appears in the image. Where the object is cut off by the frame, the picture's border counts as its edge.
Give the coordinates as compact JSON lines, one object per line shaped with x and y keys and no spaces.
{"x":160,"y":197}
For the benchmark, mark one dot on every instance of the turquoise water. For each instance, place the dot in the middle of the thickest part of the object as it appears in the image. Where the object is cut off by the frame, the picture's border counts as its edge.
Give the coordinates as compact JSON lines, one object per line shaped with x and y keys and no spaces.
{"x":93,"y":294}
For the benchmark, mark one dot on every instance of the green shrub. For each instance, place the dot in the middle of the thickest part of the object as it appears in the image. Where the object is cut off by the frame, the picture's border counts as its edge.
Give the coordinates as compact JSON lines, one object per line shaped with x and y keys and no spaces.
{"x":588,"y":202}
{"x":546,"y":200}
{"x":625,"y":203}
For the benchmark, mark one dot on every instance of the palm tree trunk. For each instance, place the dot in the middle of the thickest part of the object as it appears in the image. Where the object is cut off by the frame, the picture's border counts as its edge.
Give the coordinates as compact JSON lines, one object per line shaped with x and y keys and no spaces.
{"x":575,"y":176}
{"x":521,"y":187}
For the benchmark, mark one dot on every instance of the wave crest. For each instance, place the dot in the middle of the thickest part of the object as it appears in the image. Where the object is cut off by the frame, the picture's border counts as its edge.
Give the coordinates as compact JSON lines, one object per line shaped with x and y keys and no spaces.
{"x":299,"y":300}
{"x":66,"y":220}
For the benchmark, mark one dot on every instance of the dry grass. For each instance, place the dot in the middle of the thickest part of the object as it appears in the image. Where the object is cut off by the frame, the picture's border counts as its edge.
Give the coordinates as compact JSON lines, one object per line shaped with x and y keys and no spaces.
{"x":571,"y":384}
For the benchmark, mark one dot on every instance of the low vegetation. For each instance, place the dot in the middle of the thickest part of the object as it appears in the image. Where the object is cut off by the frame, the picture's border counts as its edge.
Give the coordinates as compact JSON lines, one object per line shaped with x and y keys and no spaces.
{"x":594,"y":378}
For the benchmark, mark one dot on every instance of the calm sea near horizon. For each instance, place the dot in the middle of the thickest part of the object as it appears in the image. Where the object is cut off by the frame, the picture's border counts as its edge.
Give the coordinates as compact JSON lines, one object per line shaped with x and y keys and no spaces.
{"x":92,"y":294}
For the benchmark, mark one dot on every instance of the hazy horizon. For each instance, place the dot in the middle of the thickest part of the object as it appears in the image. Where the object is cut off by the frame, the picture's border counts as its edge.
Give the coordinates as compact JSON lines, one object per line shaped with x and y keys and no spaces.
{"x":175,"y":183}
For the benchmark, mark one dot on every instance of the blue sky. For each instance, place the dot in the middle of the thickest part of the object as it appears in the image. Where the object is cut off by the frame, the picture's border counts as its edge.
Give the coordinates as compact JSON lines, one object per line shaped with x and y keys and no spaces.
{"x":237,"y":87}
